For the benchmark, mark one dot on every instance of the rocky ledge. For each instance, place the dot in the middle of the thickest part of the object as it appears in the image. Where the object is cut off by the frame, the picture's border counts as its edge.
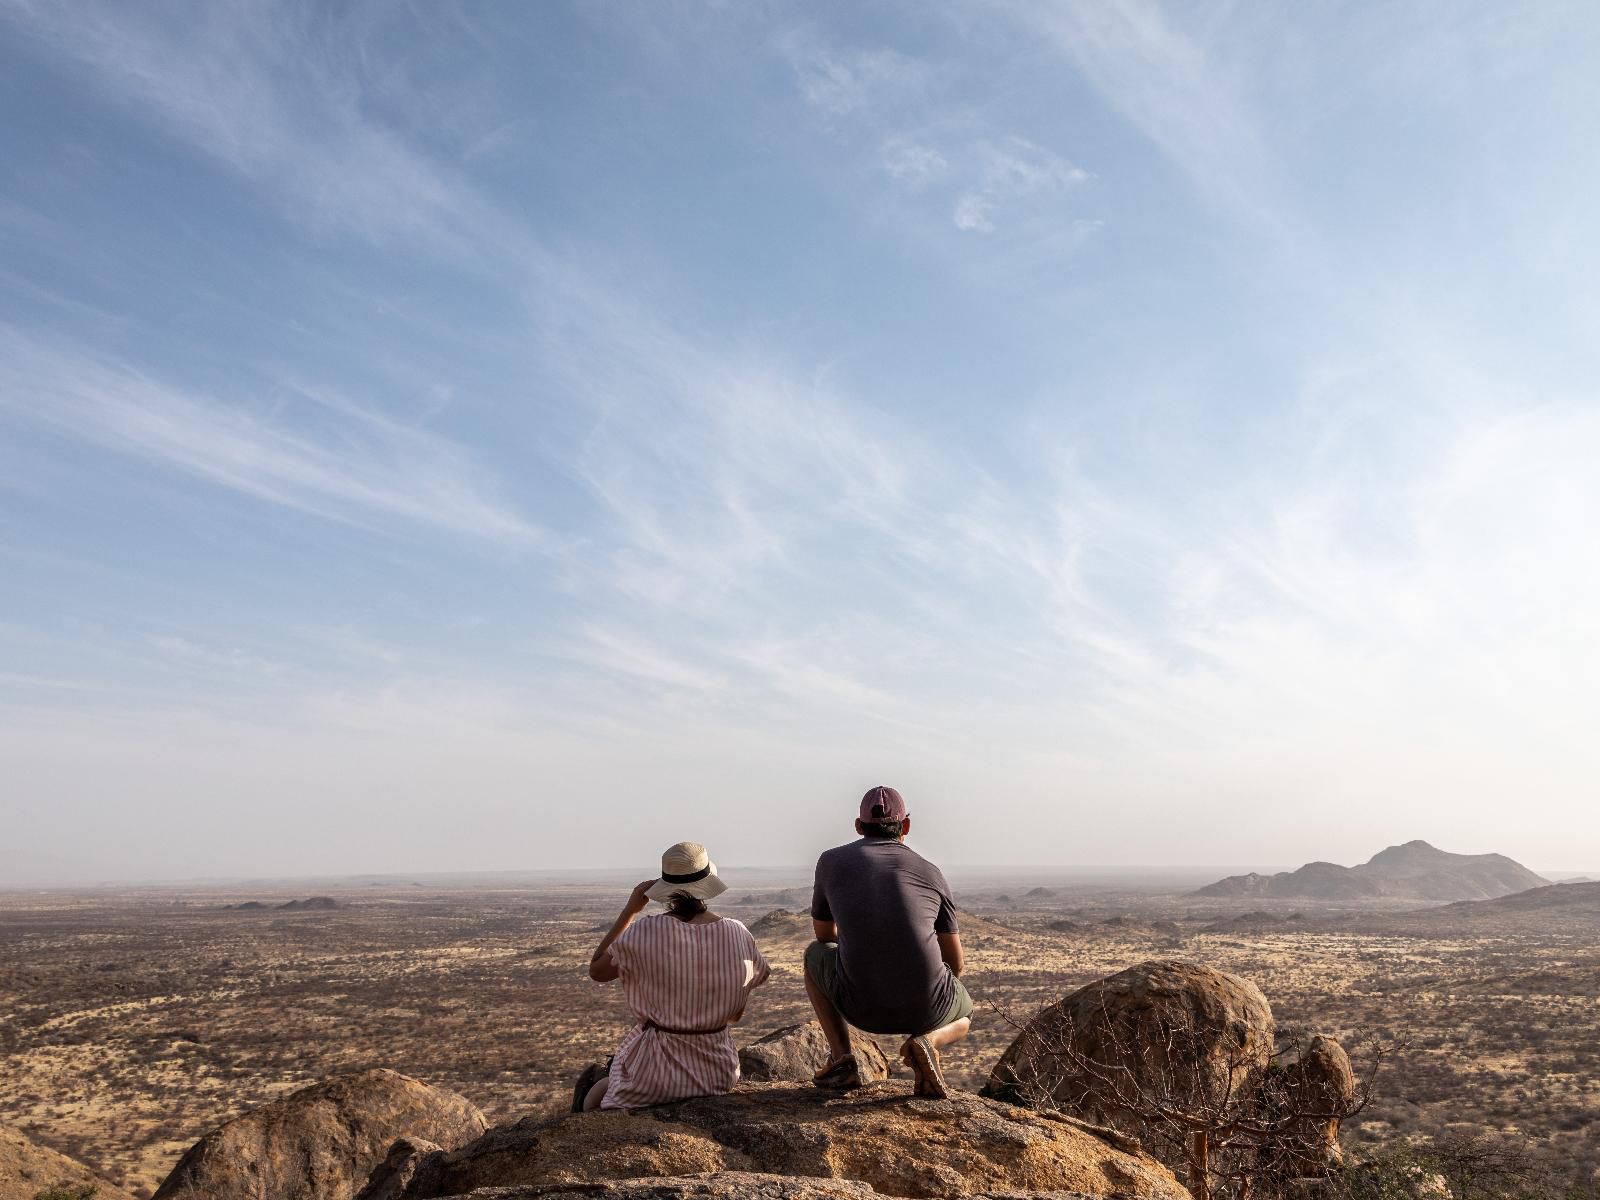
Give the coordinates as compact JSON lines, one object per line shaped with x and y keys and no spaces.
{"x":783,"y":1140}
{"x":733,"y":1185}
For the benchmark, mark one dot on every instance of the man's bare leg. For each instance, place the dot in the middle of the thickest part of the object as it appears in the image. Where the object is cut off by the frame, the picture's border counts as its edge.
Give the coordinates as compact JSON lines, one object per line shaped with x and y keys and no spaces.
{"x":948,"y":1035}
{"x":831,"y":1020}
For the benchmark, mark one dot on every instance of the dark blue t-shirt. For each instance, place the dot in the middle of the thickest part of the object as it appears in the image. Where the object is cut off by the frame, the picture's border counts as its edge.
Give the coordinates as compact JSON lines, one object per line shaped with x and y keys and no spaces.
{"x":888,"y":902}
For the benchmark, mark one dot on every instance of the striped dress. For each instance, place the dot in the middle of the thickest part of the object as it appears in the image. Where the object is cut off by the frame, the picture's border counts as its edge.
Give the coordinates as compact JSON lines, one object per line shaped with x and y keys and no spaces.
{"x":679,"y":976}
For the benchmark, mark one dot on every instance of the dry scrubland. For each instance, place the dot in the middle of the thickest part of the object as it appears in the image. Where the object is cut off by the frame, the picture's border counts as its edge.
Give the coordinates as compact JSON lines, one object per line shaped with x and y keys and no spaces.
{"x":132,"y":1023}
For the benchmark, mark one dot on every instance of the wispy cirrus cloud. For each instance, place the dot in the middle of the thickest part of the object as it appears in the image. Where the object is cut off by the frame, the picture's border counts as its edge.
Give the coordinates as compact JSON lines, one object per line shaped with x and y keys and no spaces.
{"x":639,"y":660}
{"x":1007,"y":172}
{"x":1175,"y":88}
{"x":945,"y":150}
{"x":253,"y":90}
{"x":911,"y":163}
{"x":838,"y":82}
{"x":370,"y":472}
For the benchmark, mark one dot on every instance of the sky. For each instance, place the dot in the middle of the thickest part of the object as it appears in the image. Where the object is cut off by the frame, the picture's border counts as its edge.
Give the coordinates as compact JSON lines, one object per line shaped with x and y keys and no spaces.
{"x":503,"y":436}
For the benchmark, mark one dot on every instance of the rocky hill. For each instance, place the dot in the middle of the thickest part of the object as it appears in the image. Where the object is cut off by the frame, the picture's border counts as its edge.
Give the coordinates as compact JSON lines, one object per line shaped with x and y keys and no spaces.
{"x":310,"y":904}
{"x":1571,"y":909}
{"x":1414,"y":871}
{"x":1574,"y":898}
{"x":27,"y":1168}
{"x":782,"y":924}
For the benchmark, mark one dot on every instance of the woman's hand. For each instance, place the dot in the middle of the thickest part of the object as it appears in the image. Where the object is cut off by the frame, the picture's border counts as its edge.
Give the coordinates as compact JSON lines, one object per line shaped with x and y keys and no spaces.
{"x":637,"y":900}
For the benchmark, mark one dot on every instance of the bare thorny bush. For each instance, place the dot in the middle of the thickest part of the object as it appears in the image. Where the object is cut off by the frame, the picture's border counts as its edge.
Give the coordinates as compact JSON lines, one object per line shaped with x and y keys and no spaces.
{"x":1243,"y":1120}
{"x":1478,"y":1165}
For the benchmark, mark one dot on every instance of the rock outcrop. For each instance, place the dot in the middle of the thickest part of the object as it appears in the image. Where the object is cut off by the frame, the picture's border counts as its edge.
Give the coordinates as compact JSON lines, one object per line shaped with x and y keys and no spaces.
{"x":732,"y":1185}
{"x":1184,"y":1037}
{"x":877,"y":1140}
{"x":322,"y":1142}
{"x":795,"y":1054}
{"x":1319,"y":1082}
{"x":780,"y":924}
{"x":27,"y":1168}
{"x":412,"y":1164}
{"x":723,"y":1185}
{"x":1167,"y":1027}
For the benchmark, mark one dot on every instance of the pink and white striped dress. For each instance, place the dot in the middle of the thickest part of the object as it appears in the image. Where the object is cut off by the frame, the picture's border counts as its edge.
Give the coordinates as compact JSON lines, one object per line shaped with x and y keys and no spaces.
{"x":681,"y":976}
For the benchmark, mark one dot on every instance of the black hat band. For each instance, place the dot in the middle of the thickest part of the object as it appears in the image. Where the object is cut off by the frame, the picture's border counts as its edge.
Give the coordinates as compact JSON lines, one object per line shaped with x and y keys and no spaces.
{"x":690,"y":878}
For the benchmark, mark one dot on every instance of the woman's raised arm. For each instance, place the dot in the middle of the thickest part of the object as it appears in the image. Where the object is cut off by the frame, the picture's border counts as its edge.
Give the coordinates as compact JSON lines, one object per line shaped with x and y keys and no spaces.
{"x":602,"y":969}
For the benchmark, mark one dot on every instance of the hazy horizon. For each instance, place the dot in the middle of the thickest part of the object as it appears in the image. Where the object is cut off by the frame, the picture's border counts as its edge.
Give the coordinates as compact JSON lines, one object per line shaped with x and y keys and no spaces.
{"x":957,"y":870}
{"x":464,"y":434}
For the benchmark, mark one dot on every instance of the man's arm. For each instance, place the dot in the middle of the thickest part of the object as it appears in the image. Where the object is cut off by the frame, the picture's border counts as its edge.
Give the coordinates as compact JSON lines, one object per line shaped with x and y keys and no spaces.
{"x":950,"y":951}
{"x":822,"y":922}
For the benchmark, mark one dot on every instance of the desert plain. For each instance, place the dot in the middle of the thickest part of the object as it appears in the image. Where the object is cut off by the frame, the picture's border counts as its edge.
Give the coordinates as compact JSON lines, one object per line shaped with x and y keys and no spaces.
{"x":134,"y":1020}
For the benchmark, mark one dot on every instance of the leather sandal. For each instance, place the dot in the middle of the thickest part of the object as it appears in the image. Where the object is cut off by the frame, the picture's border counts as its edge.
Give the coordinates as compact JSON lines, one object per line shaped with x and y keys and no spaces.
{"x":840,"y":1076}
{"x":924,"y":1060}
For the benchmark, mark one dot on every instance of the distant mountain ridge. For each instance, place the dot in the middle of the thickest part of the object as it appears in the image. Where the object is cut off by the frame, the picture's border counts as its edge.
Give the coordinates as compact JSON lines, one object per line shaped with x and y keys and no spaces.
{"x":1413,"y":871}
{"x":1581,"y":898}
{"x":1572,"y":909}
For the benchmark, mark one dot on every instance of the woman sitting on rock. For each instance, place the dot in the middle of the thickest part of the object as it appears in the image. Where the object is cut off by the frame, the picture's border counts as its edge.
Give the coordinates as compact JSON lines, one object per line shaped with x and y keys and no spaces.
{"x":687,"y":975}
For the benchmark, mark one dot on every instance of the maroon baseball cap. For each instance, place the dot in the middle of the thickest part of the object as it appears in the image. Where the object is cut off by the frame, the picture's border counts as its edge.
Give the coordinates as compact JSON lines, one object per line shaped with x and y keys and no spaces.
{"x":883,"y":804}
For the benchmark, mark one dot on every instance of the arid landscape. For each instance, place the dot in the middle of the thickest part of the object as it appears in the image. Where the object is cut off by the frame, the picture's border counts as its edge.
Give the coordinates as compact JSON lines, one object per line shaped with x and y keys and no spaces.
{"x":131,"y":1022}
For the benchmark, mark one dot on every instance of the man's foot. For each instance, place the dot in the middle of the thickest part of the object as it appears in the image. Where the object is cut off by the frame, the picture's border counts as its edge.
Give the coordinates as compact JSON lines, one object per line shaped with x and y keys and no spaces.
{"x":587,"y":1078}
{"x":923,"y":1059}
{"x":841,"y":1075}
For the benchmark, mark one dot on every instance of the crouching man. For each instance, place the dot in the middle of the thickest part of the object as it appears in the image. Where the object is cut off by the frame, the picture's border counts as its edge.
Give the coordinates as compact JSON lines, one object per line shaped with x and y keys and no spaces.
{"x":888,"y":952}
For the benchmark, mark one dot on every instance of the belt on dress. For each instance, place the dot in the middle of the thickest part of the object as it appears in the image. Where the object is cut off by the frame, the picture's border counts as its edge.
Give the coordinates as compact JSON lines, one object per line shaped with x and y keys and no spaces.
{"x":692,"y":1032}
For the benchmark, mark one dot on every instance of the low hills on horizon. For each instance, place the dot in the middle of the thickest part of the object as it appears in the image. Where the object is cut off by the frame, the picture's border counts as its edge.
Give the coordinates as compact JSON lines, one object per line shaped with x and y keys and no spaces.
{"x":1415,"y":870}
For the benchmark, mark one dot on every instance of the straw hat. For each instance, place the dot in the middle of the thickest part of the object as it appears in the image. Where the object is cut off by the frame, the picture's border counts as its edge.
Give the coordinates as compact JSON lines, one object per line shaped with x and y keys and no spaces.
{"x":687,"y":868}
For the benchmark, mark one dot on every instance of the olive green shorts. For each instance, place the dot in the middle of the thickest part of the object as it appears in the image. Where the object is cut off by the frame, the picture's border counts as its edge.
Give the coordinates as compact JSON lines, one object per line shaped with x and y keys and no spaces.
{"x":822,"y":964}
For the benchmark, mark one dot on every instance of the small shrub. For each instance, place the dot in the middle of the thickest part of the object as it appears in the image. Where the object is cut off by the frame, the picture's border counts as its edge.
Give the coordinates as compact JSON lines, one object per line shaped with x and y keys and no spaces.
{"x":67,"y":1191}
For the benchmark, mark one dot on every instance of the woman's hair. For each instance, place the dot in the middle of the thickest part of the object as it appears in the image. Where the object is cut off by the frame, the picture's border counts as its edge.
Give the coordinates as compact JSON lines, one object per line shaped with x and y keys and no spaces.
{"x":684,"y":906}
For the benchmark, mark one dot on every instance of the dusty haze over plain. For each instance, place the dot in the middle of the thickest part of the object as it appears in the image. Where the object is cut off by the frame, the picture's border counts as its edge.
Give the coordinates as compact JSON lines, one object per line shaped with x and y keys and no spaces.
{"x":509,"y":436}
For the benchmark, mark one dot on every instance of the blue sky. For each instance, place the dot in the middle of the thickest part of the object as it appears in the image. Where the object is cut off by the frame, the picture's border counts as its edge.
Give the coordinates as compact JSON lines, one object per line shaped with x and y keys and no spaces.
{"x":524,"y":435}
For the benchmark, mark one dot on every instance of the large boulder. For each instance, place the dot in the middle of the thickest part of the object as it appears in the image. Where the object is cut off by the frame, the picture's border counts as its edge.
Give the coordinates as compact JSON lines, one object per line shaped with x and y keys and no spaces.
{"x":1168,"y":1032}
{"x":1312,"y":1087}
{"x":27,"y":1168}
{"x":322,"y":1142}
{"x":795,"y":1054}
{"x":879,"y":1136}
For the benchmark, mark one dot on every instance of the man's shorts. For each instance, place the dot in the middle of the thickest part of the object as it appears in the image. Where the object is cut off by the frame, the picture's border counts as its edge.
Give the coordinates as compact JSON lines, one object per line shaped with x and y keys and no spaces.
{"x":822,"y":964}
